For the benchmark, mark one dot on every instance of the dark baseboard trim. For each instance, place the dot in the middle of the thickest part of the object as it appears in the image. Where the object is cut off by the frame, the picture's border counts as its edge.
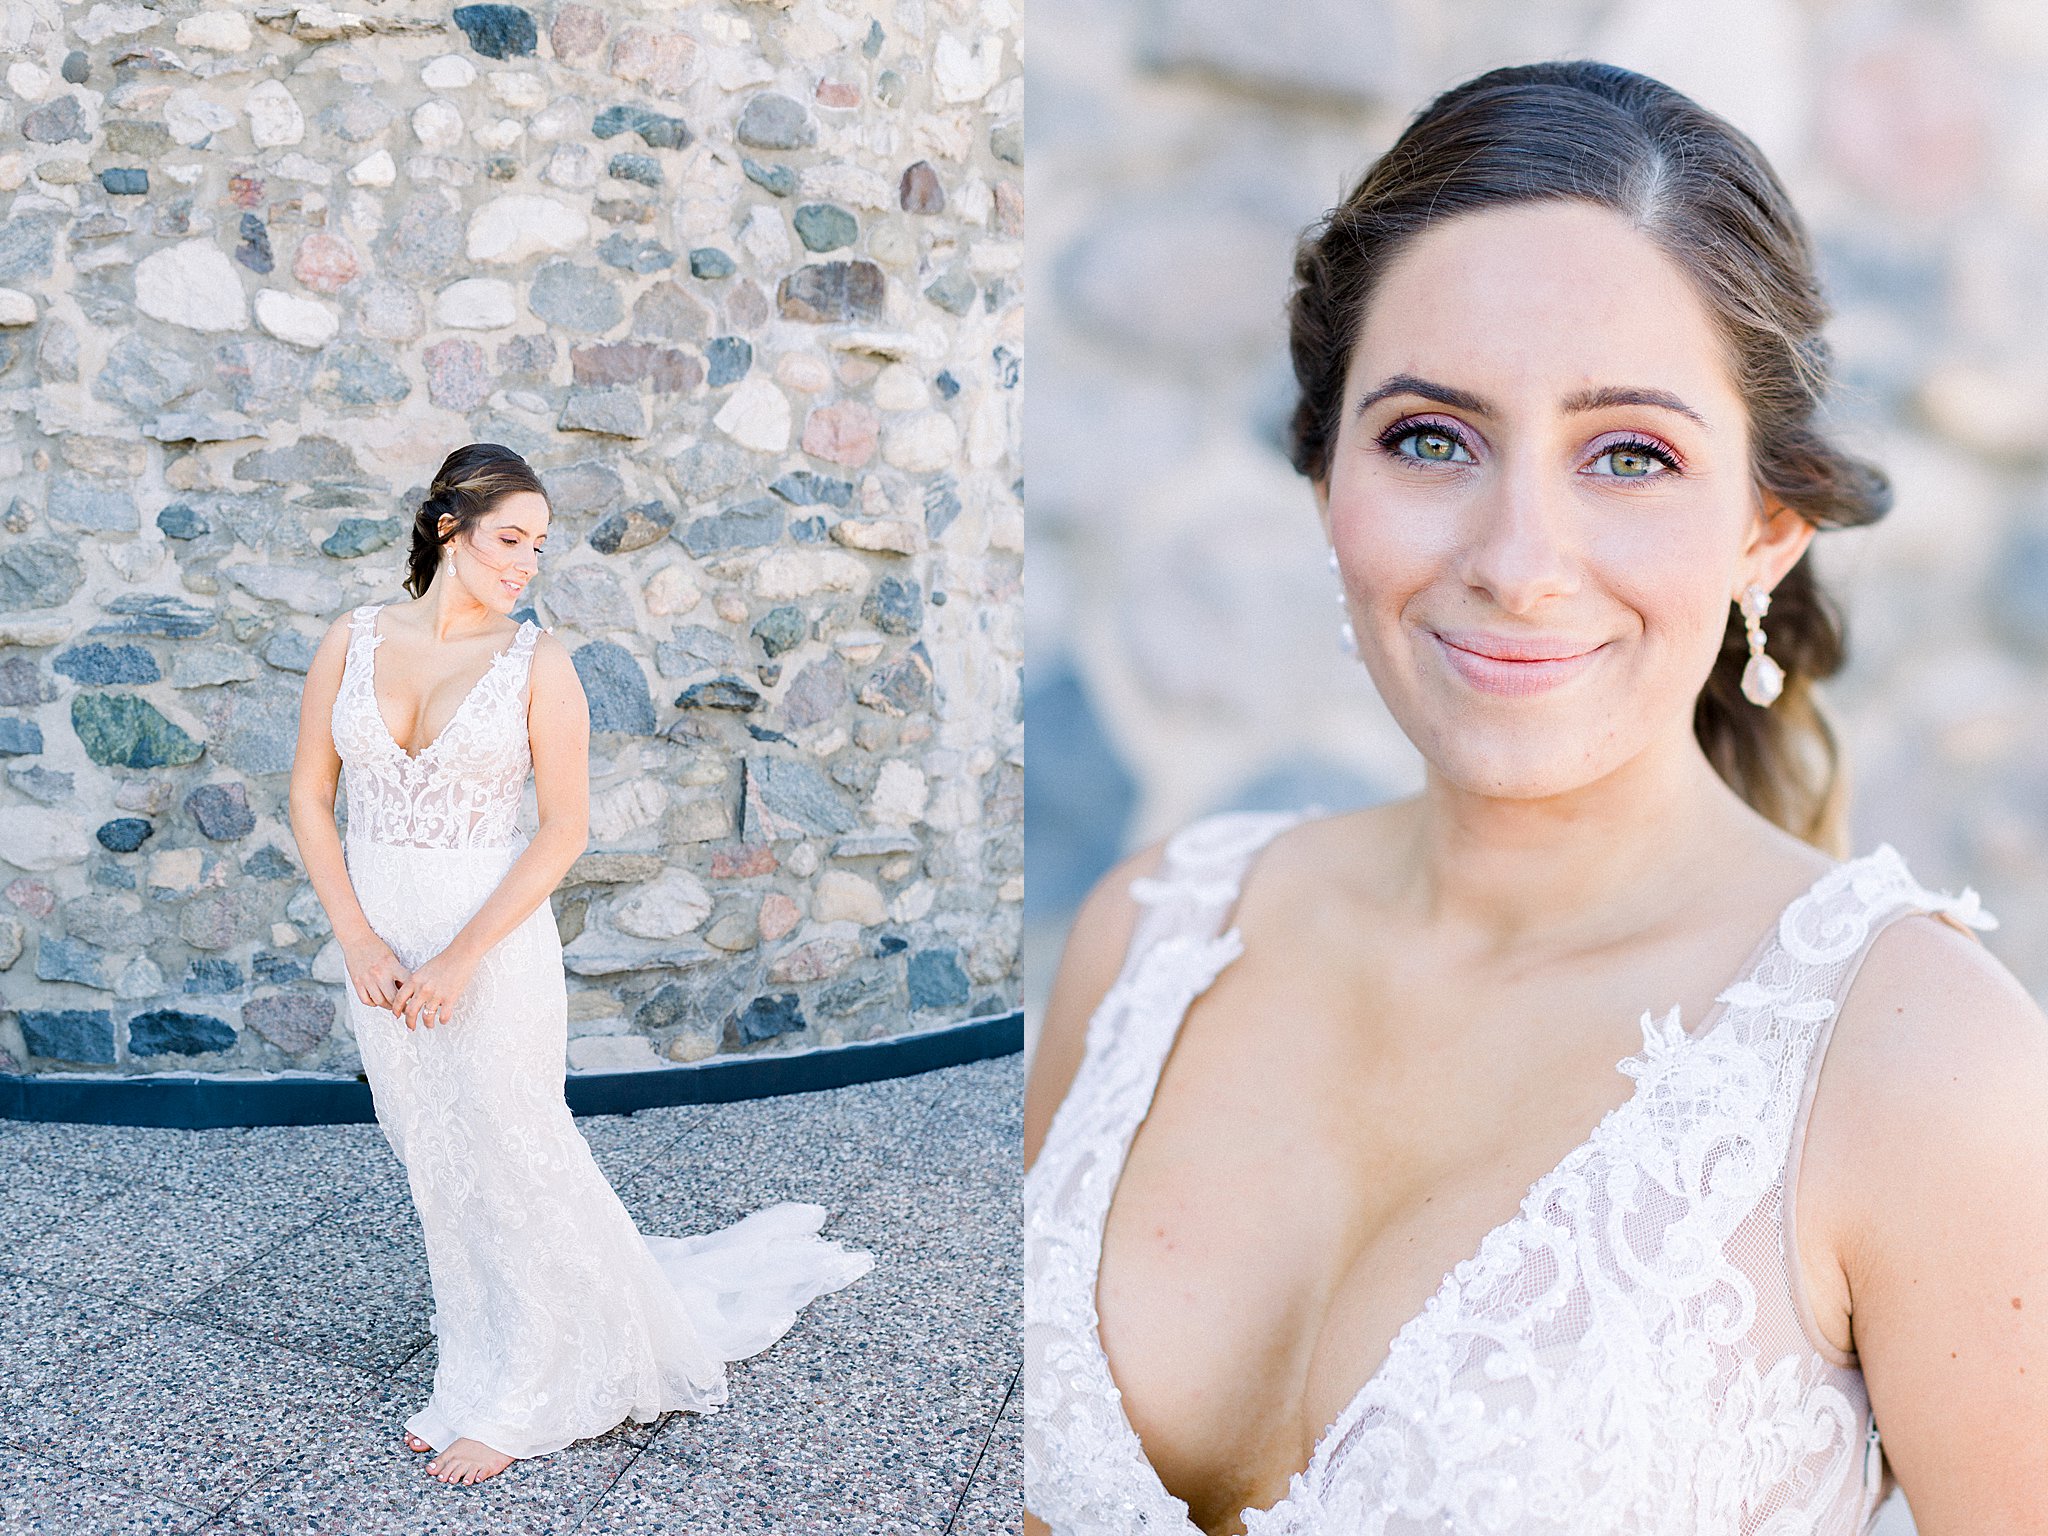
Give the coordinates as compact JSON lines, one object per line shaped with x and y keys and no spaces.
{"x":201,"y":1103}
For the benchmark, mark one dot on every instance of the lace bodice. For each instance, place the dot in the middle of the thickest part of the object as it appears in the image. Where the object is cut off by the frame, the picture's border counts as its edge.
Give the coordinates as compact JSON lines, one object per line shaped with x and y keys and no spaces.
{"x":1628,"y":1355}
{"x":462,"y":791}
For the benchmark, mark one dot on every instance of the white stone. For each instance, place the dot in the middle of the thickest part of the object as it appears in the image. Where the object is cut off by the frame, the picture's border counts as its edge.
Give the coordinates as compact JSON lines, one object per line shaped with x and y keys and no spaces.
{"x":900,"y":794}
{"x":16,"y":307}
{"x":328,"y":966}
{"x":563,"y":120}
{"x":284,"y":935}
{"x":437,"y":125}
{"x":626,"y":808}
{"x":31,"y":82}
{"x":612,"y":1053}
{"x":802,"y":861}
{"x":35,"y":628}
{"x":922,"y":444}
{"x":192,"y":284}
{"x":294,"y":318}
{"x":274,"y":116}
{"x":850,"y":185}
{"x":843,"y":897}
{"x":139,"y":978}
{"x":373,"y":170}
{"x":298,"y":167}
{"x":502,"y":134}
{"x":477,"y":304}
{"x":192,"y":118}
{"x":962,"y":76}
{"x":221,"y":31}
{"x":670,"y":591}
{"x":517,"y":89}
{"x":13,"y":171}
{"x":787,"y":573}
{"x":450,"y":72}
{"x":757,"y":416}
{"x":176,"y":869}
{"x":513,"y":228}
{"x":303,"y":591}
{"x":765,"y":237}
{"x":36,"y":838}
{"x":879,"y":536}
{"x":572,"y":166}
{"x":913,"y":901}
{"x":900,"y":387}
{"x":737,"y":71}
{"x":105,"y":21}
{"x":670,"y":907}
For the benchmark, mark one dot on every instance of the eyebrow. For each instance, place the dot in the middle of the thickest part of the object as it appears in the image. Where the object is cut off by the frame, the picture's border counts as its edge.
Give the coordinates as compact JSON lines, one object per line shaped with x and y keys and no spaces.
{"x":1584,"y":400}
{"x":516,"y":528}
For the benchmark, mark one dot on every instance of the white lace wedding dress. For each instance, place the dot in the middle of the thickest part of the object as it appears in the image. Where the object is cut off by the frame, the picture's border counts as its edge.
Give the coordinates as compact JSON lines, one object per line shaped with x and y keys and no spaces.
{"x":554,"y":1318}
{"x":1630,"y":1354}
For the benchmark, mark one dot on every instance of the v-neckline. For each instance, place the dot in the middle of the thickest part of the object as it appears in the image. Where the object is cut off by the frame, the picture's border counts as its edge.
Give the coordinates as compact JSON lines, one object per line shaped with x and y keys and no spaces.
{"x":1658,"y":1034}
{"x":377,"y":707}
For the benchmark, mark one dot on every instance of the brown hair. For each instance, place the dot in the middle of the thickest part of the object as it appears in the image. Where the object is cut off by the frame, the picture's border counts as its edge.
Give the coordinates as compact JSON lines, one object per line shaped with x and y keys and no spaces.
{"x":1704,"y":193}
{"x":470,"y":481}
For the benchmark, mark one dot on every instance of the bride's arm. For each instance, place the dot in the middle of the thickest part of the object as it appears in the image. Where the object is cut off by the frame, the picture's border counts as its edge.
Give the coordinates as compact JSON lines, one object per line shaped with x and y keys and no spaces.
{"x":373,"y":970}
{"x":1928,"y":1157}
{"x":558,"y":726}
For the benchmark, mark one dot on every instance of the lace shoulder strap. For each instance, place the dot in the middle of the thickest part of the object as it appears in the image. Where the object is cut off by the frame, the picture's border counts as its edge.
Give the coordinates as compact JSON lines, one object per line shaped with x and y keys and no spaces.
{"x":1200,"y":873}
{"x":1786,"y":1005}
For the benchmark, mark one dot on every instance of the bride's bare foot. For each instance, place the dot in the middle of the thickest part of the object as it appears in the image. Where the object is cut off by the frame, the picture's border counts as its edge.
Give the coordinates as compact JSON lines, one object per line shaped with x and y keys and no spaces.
{"x":414,"y":1443}
{"x":468,"y":1461}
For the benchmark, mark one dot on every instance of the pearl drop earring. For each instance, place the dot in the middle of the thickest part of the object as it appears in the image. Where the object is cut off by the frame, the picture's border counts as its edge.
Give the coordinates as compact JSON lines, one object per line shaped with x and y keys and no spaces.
{"x":1762,"y":679}
{"x":1347,"y":639}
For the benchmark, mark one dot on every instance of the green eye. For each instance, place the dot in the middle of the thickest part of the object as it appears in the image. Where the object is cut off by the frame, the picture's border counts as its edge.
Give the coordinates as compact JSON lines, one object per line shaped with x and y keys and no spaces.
{"x":1433,"y":447}
{"x":1626,"y":461}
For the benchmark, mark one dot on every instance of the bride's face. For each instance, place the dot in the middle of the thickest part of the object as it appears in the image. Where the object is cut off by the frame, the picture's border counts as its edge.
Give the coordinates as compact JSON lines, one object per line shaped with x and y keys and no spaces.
{"x":1540,"y":497}
{"x":498,"y":556}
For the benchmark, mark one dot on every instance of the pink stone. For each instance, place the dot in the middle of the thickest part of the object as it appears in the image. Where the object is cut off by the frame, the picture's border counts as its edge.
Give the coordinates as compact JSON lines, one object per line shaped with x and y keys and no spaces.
{"x":578,"y":33}
{"x":1009,"y":208}
{"x":815,"y":961}
{"x":32,"y":896}
{"x":455,"y":374}
{"x":659,"y":60}
{"x":778,"y":915}
{"x":836,"y":93}
{"x":741,"y":861}
{"x":843,"y":433}
{"x":325,"y":263}
{"x":919,"y":191}
{"x":245,"y":191}
{"x":628,"y":362}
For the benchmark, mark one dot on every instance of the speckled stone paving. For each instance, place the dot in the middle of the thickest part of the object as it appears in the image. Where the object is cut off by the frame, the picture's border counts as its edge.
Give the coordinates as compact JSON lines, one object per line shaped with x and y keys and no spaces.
{"x":224,"y":1330}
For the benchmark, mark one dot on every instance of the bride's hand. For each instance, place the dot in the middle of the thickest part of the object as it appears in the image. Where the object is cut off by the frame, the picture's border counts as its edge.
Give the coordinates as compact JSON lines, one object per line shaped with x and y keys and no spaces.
{"x":374,"y":971}
{"x":428,"y":997}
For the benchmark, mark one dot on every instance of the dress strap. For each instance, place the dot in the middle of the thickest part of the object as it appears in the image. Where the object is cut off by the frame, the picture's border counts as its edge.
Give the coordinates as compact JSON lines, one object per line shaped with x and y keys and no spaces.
{"x":1200,"y":874}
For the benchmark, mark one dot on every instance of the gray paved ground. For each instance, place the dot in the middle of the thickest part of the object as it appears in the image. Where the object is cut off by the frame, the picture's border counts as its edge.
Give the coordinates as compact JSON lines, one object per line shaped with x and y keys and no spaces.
{"x":224,"y":1330}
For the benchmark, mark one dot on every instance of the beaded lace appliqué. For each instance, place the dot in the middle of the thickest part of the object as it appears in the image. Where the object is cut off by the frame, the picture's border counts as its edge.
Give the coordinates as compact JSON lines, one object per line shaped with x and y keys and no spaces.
{"x":1622,"y":1357}
{"x":464,"y":789}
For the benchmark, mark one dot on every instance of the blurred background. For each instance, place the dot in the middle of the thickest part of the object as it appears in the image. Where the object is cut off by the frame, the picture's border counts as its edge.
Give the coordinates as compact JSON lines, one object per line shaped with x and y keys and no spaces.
{"x":1181,"y":651}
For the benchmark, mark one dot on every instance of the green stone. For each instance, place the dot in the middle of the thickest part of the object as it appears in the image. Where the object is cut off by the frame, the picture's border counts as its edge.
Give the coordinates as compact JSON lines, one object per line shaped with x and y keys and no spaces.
{"x":779,"y":179}
{"x":120,"y":730}
{"x":356,"y":536}
{"x":709,"y":262}
{"x":825,"y":226}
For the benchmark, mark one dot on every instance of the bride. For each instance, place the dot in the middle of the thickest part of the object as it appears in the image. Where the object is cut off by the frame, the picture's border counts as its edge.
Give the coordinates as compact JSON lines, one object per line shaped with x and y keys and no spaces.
{"x":554,"y":1319}
{"x":1339,"y":1216}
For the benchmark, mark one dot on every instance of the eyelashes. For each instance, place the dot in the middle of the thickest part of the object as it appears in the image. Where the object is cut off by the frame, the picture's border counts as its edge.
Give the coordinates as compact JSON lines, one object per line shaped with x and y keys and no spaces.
{"x":1433,"y":440}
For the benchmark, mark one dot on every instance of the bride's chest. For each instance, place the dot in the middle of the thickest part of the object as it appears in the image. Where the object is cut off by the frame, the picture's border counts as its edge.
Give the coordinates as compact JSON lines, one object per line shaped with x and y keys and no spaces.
{"x":1296,"y":1194}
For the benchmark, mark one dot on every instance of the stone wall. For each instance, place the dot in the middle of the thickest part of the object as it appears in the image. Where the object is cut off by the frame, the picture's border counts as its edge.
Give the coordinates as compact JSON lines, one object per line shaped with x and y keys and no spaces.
{"x":742,"y":280}
{"x":1182,"y":631}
